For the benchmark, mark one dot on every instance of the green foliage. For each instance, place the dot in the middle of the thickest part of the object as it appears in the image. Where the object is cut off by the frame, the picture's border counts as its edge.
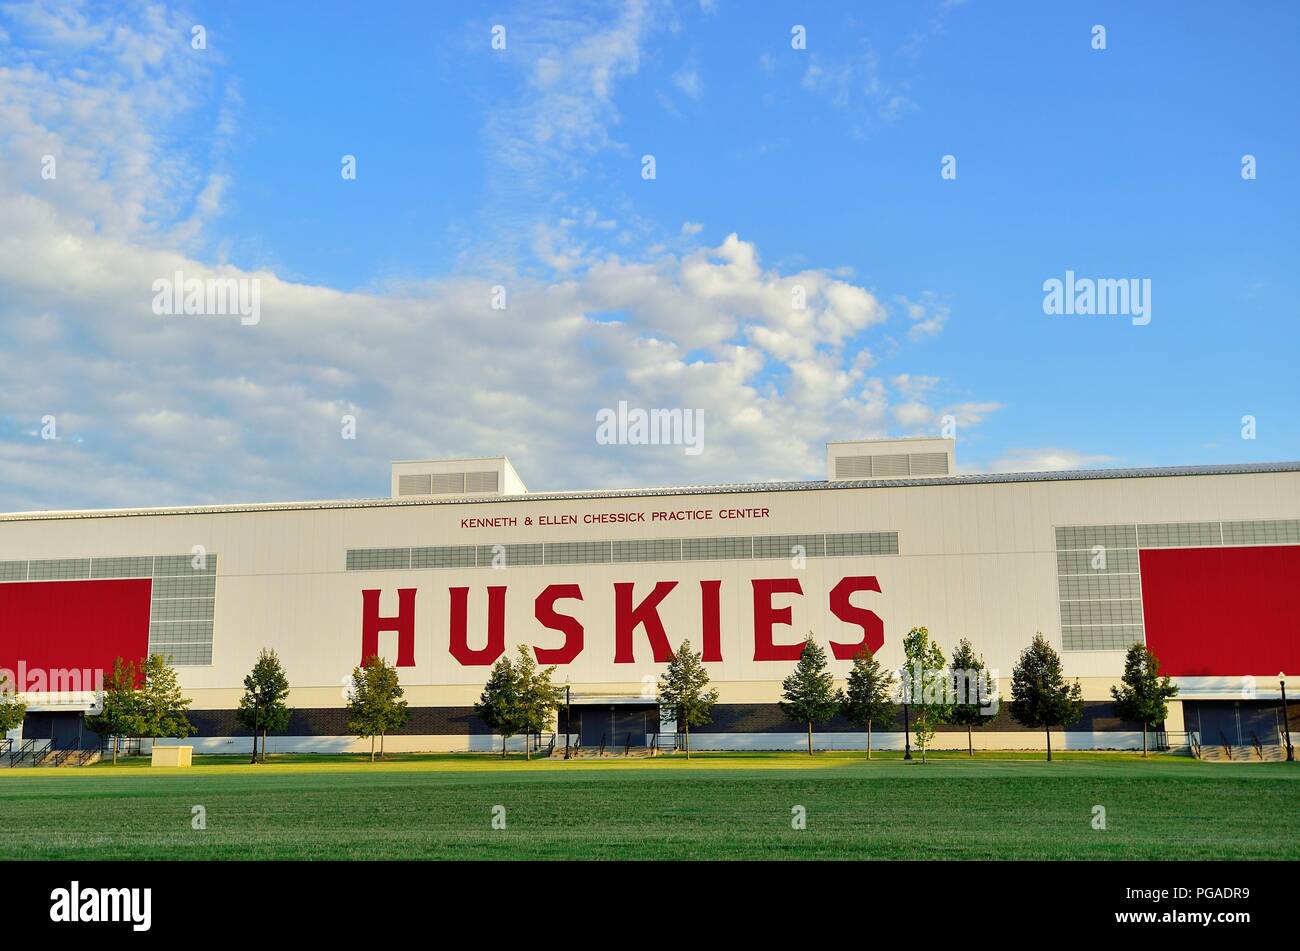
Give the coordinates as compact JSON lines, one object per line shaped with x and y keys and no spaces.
{"x":868,"y":701}
{"x":498,"y":704}
{"x":809,"y":693}
{"x":120,"y":713}
{"x":162,"y":706}
{"x":538,"y":697}
{"x":926,"y":687}
{"x":1040,"y":696}
{"x":973,"y":691}
{"x":684,"y":693}
{"x":11,"y":711}
{"x":1143,"y":695}
{"x":262,"y":707}
{"x":375,"y":702}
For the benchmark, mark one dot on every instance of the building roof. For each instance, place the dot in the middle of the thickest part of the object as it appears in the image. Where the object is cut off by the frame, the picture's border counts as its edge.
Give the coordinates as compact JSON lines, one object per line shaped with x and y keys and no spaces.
{"x":804,"y":485}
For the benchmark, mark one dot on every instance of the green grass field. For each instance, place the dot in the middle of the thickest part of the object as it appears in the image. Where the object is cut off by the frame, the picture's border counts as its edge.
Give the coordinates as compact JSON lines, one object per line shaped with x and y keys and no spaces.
{"x":719,"y":806}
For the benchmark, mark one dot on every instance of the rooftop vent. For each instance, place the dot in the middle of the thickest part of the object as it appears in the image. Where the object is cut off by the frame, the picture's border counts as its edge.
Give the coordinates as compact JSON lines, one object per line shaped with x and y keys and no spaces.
{"x":919,"y":458}
{"x":425,"y":477}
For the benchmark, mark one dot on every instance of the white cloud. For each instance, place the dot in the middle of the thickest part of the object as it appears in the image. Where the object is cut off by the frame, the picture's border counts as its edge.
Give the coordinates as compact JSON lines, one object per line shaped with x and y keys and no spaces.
{"x":691,"y":228}
{"x":1046,"y":460}
{"x":688,"y":81}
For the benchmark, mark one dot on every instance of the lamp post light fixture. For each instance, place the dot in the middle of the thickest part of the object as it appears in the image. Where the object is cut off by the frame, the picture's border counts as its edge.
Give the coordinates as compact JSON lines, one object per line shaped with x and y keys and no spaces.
{"x":568,"y":720}
{"x":1286,"y":719}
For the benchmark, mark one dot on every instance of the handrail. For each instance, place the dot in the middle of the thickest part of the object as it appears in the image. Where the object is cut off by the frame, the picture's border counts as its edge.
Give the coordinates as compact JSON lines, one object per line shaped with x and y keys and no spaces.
{"x":1194,"y":742}
{"x":627,"y":746}
{"x":1227,"y":747}
{"x":1254,"y":741}
{"x":602,"y":745}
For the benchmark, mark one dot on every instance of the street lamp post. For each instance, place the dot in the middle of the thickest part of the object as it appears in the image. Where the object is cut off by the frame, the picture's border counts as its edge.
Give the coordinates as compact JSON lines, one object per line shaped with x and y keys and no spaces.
{"x":568,"y":720}
{"x":907,"y":733}
{"x":1286,"y":719}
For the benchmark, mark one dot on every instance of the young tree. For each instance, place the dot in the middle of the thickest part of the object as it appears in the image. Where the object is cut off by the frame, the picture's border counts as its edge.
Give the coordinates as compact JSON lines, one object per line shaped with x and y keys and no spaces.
{"x":262,"y":706}
{"x":162,"y":706}
{"x":498,"y":705}
{"x":1144,"y":694}
{"x":926,"y":687}
{"x":120,"y":713}
{"x":869,"y":698}
{"x":973,"y":691}
{"x":683,"y":690}
{"x":1040,"y":696}
{"x":375,"y":704}
{"x":809,"y":692}
{"x":11,"y":711}
{"x":538,"y":697}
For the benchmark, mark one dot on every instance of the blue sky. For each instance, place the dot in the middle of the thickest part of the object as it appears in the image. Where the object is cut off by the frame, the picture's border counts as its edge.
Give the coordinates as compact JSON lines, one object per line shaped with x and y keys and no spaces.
{"x":522,"y":168}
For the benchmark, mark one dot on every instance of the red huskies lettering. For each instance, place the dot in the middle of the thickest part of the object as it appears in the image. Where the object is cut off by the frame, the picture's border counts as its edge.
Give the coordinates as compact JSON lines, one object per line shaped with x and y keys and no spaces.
{"x":628,"y":616}
{"x":496,"y":633}
{"x":404,"y":624}
{"x":570,"y":627}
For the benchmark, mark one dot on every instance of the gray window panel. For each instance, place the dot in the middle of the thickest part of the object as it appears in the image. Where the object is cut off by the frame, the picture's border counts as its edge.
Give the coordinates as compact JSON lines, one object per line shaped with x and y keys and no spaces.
{"x":172,"y":565}
{"x":445,"y":556}
{"x":862,"y":543}
{"x":1088,"y":536}
{"x":1101,"y":612}
{"x":57,"y":569}
{"x":185,"y":655}
{"x":1099,"y":638}
{"x":181,"y":609}
{"x":1102,"y":587}
{"x":648,"y":549}
{"x":1118,"y":560}
{"x":378,"y":559}
{"x":512,"y":555}
{"x":577,"y":553}
{"x":131,"y":567}
{"x":187,"y":632}
{"x":13,"y":571}
{"x":782,"y":546}
{"x":717,"y":549}
{"x":1262,"y":532}
{"x":199,"y":586}
{"x":416,"y":484}
{"x":479,"y":482}
{"x":1179,"y":534}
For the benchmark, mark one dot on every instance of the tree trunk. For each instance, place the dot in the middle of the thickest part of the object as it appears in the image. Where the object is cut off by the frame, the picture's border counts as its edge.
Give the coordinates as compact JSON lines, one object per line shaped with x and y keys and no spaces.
{"x":116,"y":741}
{"x":1049,"y":744}
{"x":381,"y":744}
{"x":503,"y":746}
{"x":263,"y":744}
{"x":372,"y":747}
{"x":254,"y":759}
{"x":970,"y":741}
{"x":688,"y":739}
{"x":810,"y":737}
{"x":868,"y":739}
{"x":1144,"y":739}
{"x":528,"y":745}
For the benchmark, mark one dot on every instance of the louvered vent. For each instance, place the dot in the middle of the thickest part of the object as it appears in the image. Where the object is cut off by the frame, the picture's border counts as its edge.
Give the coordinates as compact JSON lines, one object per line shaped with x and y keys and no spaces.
{"x":480,"y":482}
{"x":892,"y":466}
{"x":413,"y":484}
{"x":447,"y":482}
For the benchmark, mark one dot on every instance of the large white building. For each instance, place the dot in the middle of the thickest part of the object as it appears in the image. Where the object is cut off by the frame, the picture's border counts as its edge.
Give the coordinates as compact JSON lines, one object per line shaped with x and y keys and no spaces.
{"x":463,"y":563}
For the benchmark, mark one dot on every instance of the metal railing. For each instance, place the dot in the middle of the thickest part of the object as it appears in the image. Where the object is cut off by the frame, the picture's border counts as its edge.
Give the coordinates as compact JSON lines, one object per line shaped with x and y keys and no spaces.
{"x":1227,"y":747}
{"x":602,"y":745}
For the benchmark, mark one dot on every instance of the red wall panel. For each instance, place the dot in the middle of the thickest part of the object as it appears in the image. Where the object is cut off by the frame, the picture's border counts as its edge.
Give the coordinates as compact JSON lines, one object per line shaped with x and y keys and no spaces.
{"x":1223,"y":611}
{"x":73,"y":624}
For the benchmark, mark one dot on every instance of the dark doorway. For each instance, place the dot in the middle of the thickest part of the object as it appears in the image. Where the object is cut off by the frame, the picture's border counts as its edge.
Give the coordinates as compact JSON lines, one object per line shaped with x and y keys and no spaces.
{"x":617,"y":725}
{"x":1236,"y":722}
{"x":64,"y":730}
